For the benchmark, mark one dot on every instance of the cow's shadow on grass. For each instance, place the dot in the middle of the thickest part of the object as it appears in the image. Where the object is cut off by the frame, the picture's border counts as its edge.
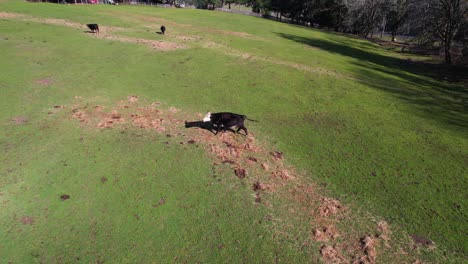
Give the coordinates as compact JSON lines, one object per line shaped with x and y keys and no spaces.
{"x":413,"y":82}
{"x":207,"y":126}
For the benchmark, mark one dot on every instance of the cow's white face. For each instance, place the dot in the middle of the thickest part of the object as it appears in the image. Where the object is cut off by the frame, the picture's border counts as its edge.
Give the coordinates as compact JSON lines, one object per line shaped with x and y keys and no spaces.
{"x":207,"y":117}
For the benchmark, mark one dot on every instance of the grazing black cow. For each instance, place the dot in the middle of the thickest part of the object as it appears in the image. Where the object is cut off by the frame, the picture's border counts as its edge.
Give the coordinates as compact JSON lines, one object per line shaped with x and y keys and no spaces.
{"x":227,"y":120}
{"x":94,"y":27}
{"x":163,"y":29}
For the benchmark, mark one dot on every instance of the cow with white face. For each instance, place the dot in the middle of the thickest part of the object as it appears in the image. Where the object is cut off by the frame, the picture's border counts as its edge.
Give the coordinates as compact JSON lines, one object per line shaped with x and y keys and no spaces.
{"x":226,"y":120}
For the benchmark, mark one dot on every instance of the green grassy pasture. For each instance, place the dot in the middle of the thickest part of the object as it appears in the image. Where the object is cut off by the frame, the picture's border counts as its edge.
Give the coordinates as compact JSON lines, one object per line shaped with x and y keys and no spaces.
{"x":364,"y":123}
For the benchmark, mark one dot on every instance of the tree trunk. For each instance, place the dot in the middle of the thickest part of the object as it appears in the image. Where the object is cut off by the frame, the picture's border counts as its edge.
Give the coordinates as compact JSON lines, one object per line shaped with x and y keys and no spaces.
{"x":448,"y":56}
{"x":384,"y":22}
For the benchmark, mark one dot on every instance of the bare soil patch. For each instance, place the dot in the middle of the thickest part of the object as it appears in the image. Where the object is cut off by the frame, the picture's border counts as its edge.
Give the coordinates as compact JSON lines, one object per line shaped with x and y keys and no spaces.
{"x":105,"y":32}
{"x":45,"y":81}
{"x":331,"y":255}
{"x":240,"y":173}
{"x":325,"y":233}
{"x":27,"y":220}
{"x":5,"y":15}
{"x":19,"y":120}
{"x":155,"y":44}
{"x":369,"y":247}
{"x":329,"y":207}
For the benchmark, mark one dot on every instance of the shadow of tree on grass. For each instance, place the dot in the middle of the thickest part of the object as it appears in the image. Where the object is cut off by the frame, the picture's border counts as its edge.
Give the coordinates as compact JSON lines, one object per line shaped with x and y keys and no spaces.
{"x":408,"y":81}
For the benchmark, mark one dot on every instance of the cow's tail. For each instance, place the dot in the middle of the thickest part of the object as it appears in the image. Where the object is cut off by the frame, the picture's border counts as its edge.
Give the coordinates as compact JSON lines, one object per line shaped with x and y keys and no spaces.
{"x":249,"y":118}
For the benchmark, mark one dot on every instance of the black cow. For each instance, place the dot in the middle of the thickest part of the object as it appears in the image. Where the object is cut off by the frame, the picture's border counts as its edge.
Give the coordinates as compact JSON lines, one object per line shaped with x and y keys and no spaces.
{"x":226,"y":120}
{"x":94,"y":27}
{"x":163,"y":29}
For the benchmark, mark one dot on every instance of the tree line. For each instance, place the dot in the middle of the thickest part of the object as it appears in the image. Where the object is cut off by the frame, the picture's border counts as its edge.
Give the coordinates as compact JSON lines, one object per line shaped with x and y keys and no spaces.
{"x":433,"y":22}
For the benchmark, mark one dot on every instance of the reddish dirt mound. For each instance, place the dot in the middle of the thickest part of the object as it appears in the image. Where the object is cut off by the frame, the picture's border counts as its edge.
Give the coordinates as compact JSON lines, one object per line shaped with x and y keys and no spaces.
{"x":368,"y":244}
{"x":64,"y":197}
{"x":325,"y":233}
{"x":277,"y":155}
{"x":45,"y":81}
{"x":110,"y":120}
{"x":27,"y":220}
{"x":81,"y":116}
{"x":144,"y":121}
{"x":240,"y":173}
{"x":331,"y":255}
{"x":282,"y":174}
{"x":329,"y":207}
{"x":384,"y":232}
{"x":132,"y":99}
{"x":19,"y":120}
{"x":257,"y":186}
{"x":174,"y":110}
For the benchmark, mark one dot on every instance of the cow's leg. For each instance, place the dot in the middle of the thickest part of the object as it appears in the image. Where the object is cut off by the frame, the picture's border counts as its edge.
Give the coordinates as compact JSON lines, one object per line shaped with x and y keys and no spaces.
{"x":218,"y":127}
{"x":243,"y":128}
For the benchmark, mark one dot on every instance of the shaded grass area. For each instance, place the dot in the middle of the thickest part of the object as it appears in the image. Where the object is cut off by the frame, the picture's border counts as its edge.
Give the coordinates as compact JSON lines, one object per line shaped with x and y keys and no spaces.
{"x":435,"y":100}
{"x":382,"y":137}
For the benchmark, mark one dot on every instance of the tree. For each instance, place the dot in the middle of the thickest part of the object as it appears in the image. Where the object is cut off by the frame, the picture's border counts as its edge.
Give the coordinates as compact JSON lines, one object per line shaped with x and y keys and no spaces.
{"x":439,"y":21}
{"x":207,"y":4}
{"x":331,"y":14}
{"x":397,"y":16}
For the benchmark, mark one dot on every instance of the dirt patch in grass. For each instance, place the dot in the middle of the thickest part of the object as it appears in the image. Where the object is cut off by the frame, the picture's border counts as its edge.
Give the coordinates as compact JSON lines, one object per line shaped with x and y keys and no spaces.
{"x":132,"y":99}
{"x":5,"y":15}
{"x":329,"y":207}
{"x":261,"y":169}
{"x":232,"y":33}
{"x":64,"y":197}
{"x":240,"y":173}
{"x":105,"y":32}
{"x":331,"y":255}
{"x":383,"y":231}
{"x":27,"y":220}
{"x":19,"y":120}
{"x":81,"y":116}
{"x":368,"y":244}
{"x":110,"y":119}
{"x":325,"y":233}
{"x":155,"y":44}
{"x":187,"y":38}
{"x":45,"y":81}
{"x":227,"y":50}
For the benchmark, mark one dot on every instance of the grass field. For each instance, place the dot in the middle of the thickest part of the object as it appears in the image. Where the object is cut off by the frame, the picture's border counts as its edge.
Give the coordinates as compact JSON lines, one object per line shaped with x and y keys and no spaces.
{"x":89,"y":173}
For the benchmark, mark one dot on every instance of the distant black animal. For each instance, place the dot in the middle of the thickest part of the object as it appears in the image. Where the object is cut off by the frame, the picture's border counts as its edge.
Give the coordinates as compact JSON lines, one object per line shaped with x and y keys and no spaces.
{"x":225,"y":120}
{"x":94,"y":27}
{"x":163,"y":29}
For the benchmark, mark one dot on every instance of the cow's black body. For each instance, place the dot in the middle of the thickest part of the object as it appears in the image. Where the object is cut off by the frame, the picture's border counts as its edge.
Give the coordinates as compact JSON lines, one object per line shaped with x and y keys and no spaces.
{"x":226,"y":120}
{"x":94,"y":27}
